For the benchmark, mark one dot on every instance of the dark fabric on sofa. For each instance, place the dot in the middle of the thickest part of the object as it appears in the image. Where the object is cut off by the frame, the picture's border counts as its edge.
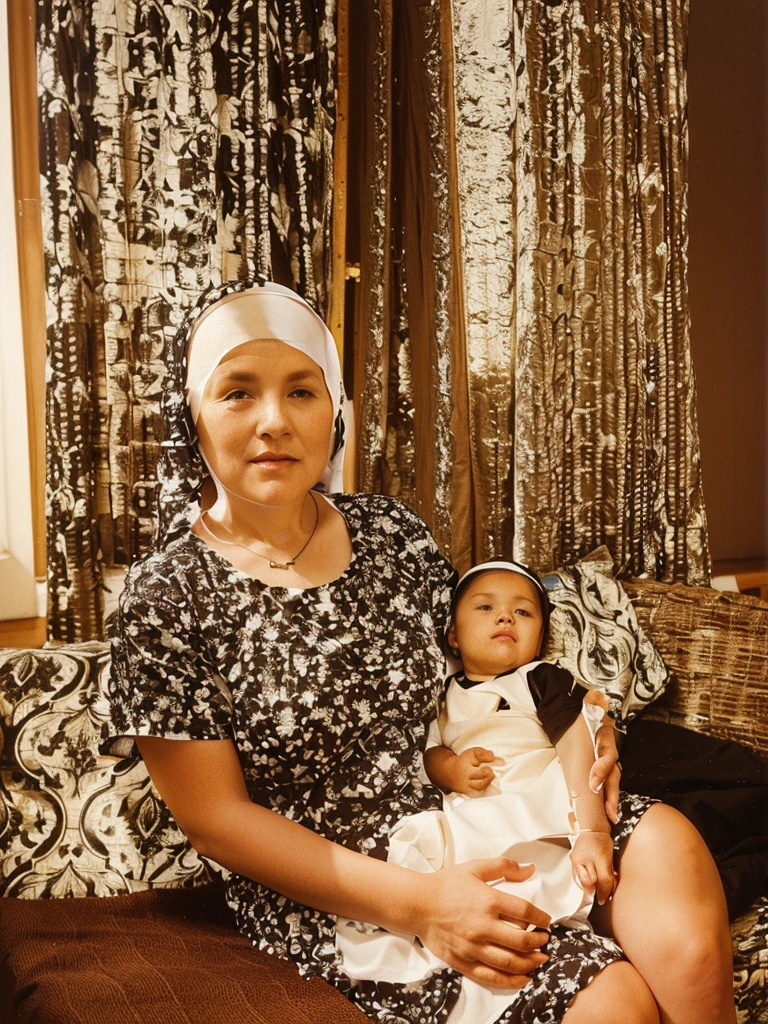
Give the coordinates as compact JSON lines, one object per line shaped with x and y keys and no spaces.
{"x":155,"y":957}
{"x":720,"y":786}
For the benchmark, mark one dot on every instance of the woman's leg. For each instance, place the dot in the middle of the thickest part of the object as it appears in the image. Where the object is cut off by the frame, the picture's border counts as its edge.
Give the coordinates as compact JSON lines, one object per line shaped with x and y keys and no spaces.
{"x":617,"y":995}
{"x":668,"y":914}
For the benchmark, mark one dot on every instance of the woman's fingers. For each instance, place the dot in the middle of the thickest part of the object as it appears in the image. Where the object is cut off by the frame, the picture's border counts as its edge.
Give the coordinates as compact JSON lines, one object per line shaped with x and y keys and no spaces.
{"x":512,"y":908}
{"x":486,"y":975}
{"x":600,"y":772}
{"x":494,"y":868}
{"x":606,"y":770}
{"x":516,"y":941}
{"x":467,"y":922}
{"x":497,"y":966}
{"x":612,"y":787}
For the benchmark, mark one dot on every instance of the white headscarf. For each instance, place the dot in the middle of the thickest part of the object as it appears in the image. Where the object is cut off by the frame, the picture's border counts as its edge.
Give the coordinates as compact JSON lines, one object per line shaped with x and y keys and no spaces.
{"x":268,"y":312}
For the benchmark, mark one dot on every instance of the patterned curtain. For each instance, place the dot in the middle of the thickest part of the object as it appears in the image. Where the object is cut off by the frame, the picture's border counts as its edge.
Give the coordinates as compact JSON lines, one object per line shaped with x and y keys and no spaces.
{"x":545,"y":245}
{"x":181,"y":145}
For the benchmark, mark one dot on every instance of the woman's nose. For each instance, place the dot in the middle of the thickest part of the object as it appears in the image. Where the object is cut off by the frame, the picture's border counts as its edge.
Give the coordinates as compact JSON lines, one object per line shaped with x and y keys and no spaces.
{"x":272,"y":419}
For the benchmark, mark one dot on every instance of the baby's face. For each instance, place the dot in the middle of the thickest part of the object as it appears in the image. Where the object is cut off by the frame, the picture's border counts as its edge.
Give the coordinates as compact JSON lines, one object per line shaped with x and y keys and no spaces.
{"x":498,"y":624}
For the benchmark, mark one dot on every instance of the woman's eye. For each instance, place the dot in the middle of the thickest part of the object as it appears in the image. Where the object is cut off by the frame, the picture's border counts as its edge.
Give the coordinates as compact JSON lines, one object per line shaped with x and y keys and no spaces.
{"x":236,"y":396}
{"x":302,"y":393}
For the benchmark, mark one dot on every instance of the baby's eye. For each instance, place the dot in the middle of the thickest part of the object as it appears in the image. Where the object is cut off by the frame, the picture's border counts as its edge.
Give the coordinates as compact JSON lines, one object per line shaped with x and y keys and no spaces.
{"x":484,"y":607}
{"x":524,"y":611}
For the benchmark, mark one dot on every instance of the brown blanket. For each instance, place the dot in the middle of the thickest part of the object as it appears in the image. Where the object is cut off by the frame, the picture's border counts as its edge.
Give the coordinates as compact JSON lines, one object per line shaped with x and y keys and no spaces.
{"x":159,"y":957}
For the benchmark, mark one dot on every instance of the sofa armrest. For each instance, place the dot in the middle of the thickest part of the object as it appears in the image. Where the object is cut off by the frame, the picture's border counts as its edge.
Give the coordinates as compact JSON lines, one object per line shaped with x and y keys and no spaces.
{"x":715,"y":645}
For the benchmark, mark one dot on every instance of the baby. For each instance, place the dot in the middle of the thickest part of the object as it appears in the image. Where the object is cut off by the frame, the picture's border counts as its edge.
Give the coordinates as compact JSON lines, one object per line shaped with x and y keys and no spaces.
{"x":526,"y":714}
{"x":512,"y":752}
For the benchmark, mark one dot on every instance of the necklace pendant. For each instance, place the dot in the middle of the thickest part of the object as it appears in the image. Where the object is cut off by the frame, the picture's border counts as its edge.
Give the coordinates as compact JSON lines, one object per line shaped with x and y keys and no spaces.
{"x":281,"y":565}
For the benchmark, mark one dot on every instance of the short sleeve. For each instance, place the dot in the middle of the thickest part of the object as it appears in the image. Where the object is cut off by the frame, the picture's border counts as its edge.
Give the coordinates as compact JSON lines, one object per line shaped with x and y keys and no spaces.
{"x":162,"y":681}
{"x":441,"y":579}
{"x":439,"y":576}
{"x":558,"y":698}
{"x":434,"y":737}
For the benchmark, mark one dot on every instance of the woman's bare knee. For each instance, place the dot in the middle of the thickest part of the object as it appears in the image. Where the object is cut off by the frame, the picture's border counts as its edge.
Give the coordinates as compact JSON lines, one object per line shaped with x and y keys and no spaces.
{"x":617,"y":995}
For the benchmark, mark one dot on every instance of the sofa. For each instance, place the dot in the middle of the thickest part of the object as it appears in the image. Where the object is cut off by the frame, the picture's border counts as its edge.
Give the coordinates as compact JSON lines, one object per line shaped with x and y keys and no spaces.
{"x":109,"y":916}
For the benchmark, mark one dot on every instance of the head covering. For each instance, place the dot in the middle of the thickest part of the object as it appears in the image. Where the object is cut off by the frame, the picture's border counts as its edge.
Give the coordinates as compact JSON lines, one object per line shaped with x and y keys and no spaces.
{"x":227,"y":316}
{"x":499,"y":565}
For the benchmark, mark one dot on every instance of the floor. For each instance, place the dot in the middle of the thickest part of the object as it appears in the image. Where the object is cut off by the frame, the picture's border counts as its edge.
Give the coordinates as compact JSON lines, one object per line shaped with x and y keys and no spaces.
{"x":31,"y":632}
{"x":22,"y":633}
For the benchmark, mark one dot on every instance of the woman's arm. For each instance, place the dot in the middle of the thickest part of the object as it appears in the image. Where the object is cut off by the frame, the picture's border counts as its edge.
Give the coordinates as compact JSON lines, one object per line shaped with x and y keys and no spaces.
{"x":454,"y":912}
{"x":605,"y":774}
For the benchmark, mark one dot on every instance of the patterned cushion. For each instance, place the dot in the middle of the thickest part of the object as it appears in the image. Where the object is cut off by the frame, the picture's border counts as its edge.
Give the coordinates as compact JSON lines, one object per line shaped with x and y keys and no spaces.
{"x":73,"y":823}
{"x":750,"y":964}
{"x":594,"y":633}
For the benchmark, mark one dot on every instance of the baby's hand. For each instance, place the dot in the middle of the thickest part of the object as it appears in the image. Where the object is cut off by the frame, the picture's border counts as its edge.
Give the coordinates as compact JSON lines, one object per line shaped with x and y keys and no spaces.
{"x":470,"y":772}
{"x":592,"y":860}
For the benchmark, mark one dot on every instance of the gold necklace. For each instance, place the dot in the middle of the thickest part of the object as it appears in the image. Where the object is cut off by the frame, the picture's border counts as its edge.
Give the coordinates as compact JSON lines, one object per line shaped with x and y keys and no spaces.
{"x":246,"y":547}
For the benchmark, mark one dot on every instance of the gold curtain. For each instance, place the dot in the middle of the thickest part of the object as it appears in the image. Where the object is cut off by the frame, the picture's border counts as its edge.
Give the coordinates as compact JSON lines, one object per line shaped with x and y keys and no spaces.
{"x":409,"y":379}
{"x":29,"y":233}
{"x":523,"y":349}
{"x":606,"y":436}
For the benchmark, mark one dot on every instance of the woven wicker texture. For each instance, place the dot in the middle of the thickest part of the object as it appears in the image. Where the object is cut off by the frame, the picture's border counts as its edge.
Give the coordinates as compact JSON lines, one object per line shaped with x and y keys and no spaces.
{"x":716,"y":647}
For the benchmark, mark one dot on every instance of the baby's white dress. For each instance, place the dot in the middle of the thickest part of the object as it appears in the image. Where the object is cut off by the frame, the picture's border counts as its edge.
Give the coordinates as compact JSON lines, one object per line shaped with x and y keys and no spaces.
{"x":524,"y":814}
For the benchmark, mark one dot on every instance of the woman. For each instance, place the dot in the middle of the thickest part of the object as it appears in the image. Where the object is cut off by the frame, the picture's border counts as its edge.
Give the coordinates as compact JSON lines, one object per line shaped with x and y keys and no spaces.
{"x":277,"y":658}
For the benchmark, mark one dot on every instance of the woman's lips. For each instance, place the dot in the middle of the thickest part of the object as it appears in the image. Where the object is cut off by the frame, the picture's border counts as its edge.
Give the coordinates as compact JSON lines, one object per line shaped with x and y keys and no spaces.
{"x":273,"y":461}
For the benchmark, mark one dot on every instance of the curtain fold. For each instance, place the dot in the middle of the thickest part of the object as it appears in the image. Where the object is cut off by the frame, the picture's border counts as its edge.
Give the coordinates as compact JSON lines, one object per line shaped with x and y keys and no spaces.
{"x":181,"y":145}
{"x":537,"y":202}
{"x":606,"y":437}
{"x":410,"y":383}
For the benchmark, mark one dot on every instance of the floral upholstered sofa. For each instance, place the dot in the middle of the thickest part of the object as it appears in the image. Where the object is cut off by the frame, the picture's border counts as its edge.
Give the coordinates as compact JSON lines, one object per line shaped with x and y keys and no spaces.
{"x":158,"y":943}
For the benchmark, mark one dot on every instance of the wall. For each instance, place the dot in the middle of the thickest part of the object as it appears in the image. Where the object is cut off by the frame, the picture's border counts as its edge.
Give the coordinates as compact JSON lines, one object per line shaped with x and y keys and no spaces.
{"x":17,"y":574}
{"x":728,"y":215}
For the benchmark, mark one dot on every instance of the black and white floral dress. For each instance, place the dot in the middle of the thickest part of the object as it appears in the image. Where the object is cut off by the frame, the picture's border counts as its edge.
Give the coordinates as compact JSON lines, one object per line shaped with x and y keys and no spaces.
{"x":326,"y":693}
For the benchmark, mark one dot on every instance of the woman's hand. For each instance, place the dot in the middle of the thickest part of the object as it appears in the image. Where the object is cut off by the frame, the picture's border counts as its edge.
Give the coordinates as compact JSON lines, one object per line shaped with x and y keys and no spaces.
{"x":606,"y":771}
{"x":461,"y":918}
{"x":477,"y":929}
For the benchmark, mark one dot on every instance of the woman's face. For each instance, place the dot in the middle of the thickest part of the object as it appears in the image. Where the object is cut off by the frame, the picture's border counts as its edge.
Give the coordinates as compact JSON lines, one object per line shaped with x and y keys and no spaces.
{"x":265,"y":422}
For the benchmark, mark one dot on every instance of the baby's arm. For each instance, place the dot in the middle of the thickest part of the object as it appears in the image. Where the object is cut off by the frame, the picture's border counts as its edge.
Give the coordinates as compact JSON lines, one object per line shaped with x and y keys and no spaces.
{"x":592,"y":854}
{"x":559,"y":701}
{"x":466,"y":773}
